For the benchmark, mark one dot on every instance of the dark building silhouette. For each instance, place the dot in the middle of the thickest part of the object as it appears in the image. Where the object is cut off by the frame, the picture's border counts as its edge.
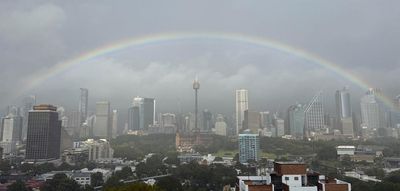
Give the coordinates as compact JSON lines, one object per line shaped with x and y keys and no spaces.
{"x":133,"y":118}
{"x":44,"y":134}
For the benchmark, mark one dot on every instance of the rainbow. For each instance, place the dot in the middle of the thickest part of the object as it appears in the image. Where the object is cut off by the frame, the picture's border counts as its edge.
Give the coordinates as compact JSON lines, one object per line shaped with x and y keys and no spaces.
{"x":87,"y":57}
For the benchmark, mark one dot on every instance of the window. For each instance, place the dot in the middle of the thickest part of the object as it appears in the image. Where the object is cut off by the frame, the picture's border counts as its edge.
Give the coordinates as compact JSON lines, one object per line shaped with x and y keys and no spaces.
{"x":286,"y":178}
{"x":296,"y":178}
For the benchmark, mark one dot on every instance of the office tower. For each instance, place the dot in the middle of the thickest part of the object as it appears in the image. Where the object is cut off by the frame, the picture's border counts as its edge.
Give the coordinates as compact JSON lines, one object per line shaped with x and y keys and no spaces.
{"x":207,"y":120}
{"x":168,"y":120}
{"x":44,"y":134}
{"x":372,"y":112}
{"x":251,"y":121}
{"x":114,"y":123}
{"x":102,"y":127}
{"x":296,"y":121}
{"x":73,"y":123}
{"x":314,"y":115}
{"x":343,"y":112}
{"x":266,"y":119}
{"x":242,"y":104}
{"x":196,"y":87}
{"x":220,"y":126}
{"x":27,"y":105}
{"x":279,"y":124}
{"x":249,"y":147}
{"x":133,"y":118}
{"x":83,"y":105}
{"x":142,"y":112}
{"x":11,"y":132}
{"x":343,"y":106}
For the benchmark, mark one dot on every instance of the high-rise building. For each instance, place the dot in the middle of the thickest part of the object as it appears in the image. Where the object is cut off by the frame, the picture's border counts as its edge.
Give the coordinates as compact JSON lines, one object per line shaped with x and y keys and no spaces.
{"x":133,"y":118}
{"x":114,"y":123}
{"x":144,"y":110}
{"x":266,"y":119}
{"x":343,"y":106}
{"x":344,"y":112}
{"x":83,"y":105}
{"x":249,"y":147}
{"x":242,"y":104}
{"x":372,"y":112}
{"x":11,"y":131}
{"x":102,"y":127}
{"x":28,"y":103}
{"x":207,"y":120}
{"x":251,"y":121}
{"x":314,"y":115}
{"x":168,"y":120}
{"x":196,"y":87}
{"x":279,"y":124}
{"x":44,"y":134}
{"x":296,"y":121}
{"x":220,"y":126}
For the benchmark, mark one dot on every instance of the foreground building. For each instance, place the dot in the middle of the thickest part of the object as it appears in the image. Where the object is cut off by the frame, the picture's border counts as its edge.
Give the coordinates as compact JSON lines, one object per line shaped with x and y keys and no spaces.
{"x":44,"y":134}
{"x":290,"y":176}
{"x":249,"y":147}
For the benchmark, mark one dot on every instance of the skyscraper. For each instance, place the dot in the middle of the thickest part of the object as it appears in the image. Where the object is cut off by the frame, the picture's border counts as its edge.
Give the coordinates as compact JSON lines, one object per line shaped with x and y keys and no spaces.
{"x":249,"y":147}
{"x":102,"y":127}
{"x":343,"y":106}
{"x":28,"y":103}
{"x":314,"y":115}
{"x":296,"y":121}
{"x":344,"y":112}
{"x":221,"y":126}
{"x":142,"y":113}
{"x":196,"y":87}
{"x":207,"y":120}
{"x":242,"y":104}
{"x":133,"y":118}
{"x":372,"y":112}
{"x":251,"y":121}
{"x":11,"y":132}
{"x":83,"y":105}
{"x":114,"y":123}
{"x":44,"y":134}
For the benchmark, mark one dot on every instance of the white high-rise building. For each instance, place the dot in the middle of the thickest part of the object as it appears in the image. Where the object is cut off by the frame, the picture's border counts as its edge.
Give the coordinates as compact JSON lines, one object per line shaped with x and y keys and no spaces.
{"x":220,"y":126}
{"x":102,"y":126}
{"x":314,"y":115}
{"x":114,"y":123}
{"x":242,"y":104}
{"x":11,"y":132}
{"x":371,"y":112}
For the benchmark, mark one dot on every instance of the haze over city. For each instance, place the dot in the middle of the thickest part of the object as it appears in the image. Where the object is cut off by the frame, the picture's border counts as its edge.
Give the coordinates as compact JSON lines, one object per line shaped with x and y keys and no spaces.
{"x":35,"y":36}
{"x":180,"y":95}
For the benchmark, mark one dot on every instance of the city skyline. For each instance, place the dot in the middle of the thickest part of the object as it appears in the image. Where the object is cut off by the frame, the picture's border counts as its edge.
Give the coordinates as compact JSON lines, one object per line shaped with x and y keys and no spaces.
{"x":164,"y":58}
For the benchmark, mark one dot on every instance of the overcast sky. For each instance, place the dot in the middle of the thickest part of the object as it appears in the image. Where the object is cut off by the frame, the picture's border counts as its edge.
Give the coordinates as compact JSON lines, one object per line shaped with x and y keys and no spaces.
{"x":360,"y":36}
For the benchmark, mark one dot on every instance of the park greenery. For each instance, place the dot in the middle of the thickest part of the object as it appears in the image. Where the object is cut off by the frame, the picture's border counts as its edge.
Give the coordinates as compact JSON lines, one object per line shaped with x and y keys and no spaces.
{"x":320,"y":156}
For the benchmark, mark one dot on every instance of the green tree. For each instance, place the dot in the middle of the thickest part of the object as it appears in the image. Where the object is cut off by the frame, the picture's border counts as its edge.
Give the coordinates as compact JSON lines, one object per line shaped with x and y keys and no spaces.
{"x":18,"y":186}
{"x":133,"y":187}
{"x":327,"y":153}
{"x":96,"y":179}
{"x":61,"y":182}
{"x":169,"y":183}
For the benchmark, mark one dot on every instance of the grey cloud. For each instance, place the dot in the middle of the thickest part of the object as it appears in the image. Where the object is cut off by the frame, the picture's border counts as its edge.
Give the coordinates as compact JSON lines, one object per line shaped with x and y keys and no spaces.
{"x":360,"y":36}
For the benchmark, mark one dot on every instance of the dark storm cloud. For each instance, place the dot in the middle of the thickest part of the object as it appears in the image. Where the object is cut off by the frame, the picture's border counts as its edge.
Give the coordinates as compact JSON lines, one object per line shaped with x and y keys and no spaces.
{"x":360,"y":36}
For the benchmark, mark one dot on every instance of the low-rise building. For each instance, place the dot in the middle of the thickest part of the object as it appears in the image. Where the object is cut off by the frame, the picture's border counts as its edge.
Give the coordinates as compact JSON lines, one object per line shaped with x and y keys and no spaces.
{"x":345,"y":150}
{"x":290,"y":176}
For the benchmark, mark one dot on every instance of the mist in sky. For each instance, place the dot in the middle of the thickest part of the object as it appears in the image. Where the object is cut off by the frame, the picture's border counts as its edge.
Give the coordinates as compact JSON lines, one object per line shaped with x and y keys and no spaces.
{"x":360,"y":36}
